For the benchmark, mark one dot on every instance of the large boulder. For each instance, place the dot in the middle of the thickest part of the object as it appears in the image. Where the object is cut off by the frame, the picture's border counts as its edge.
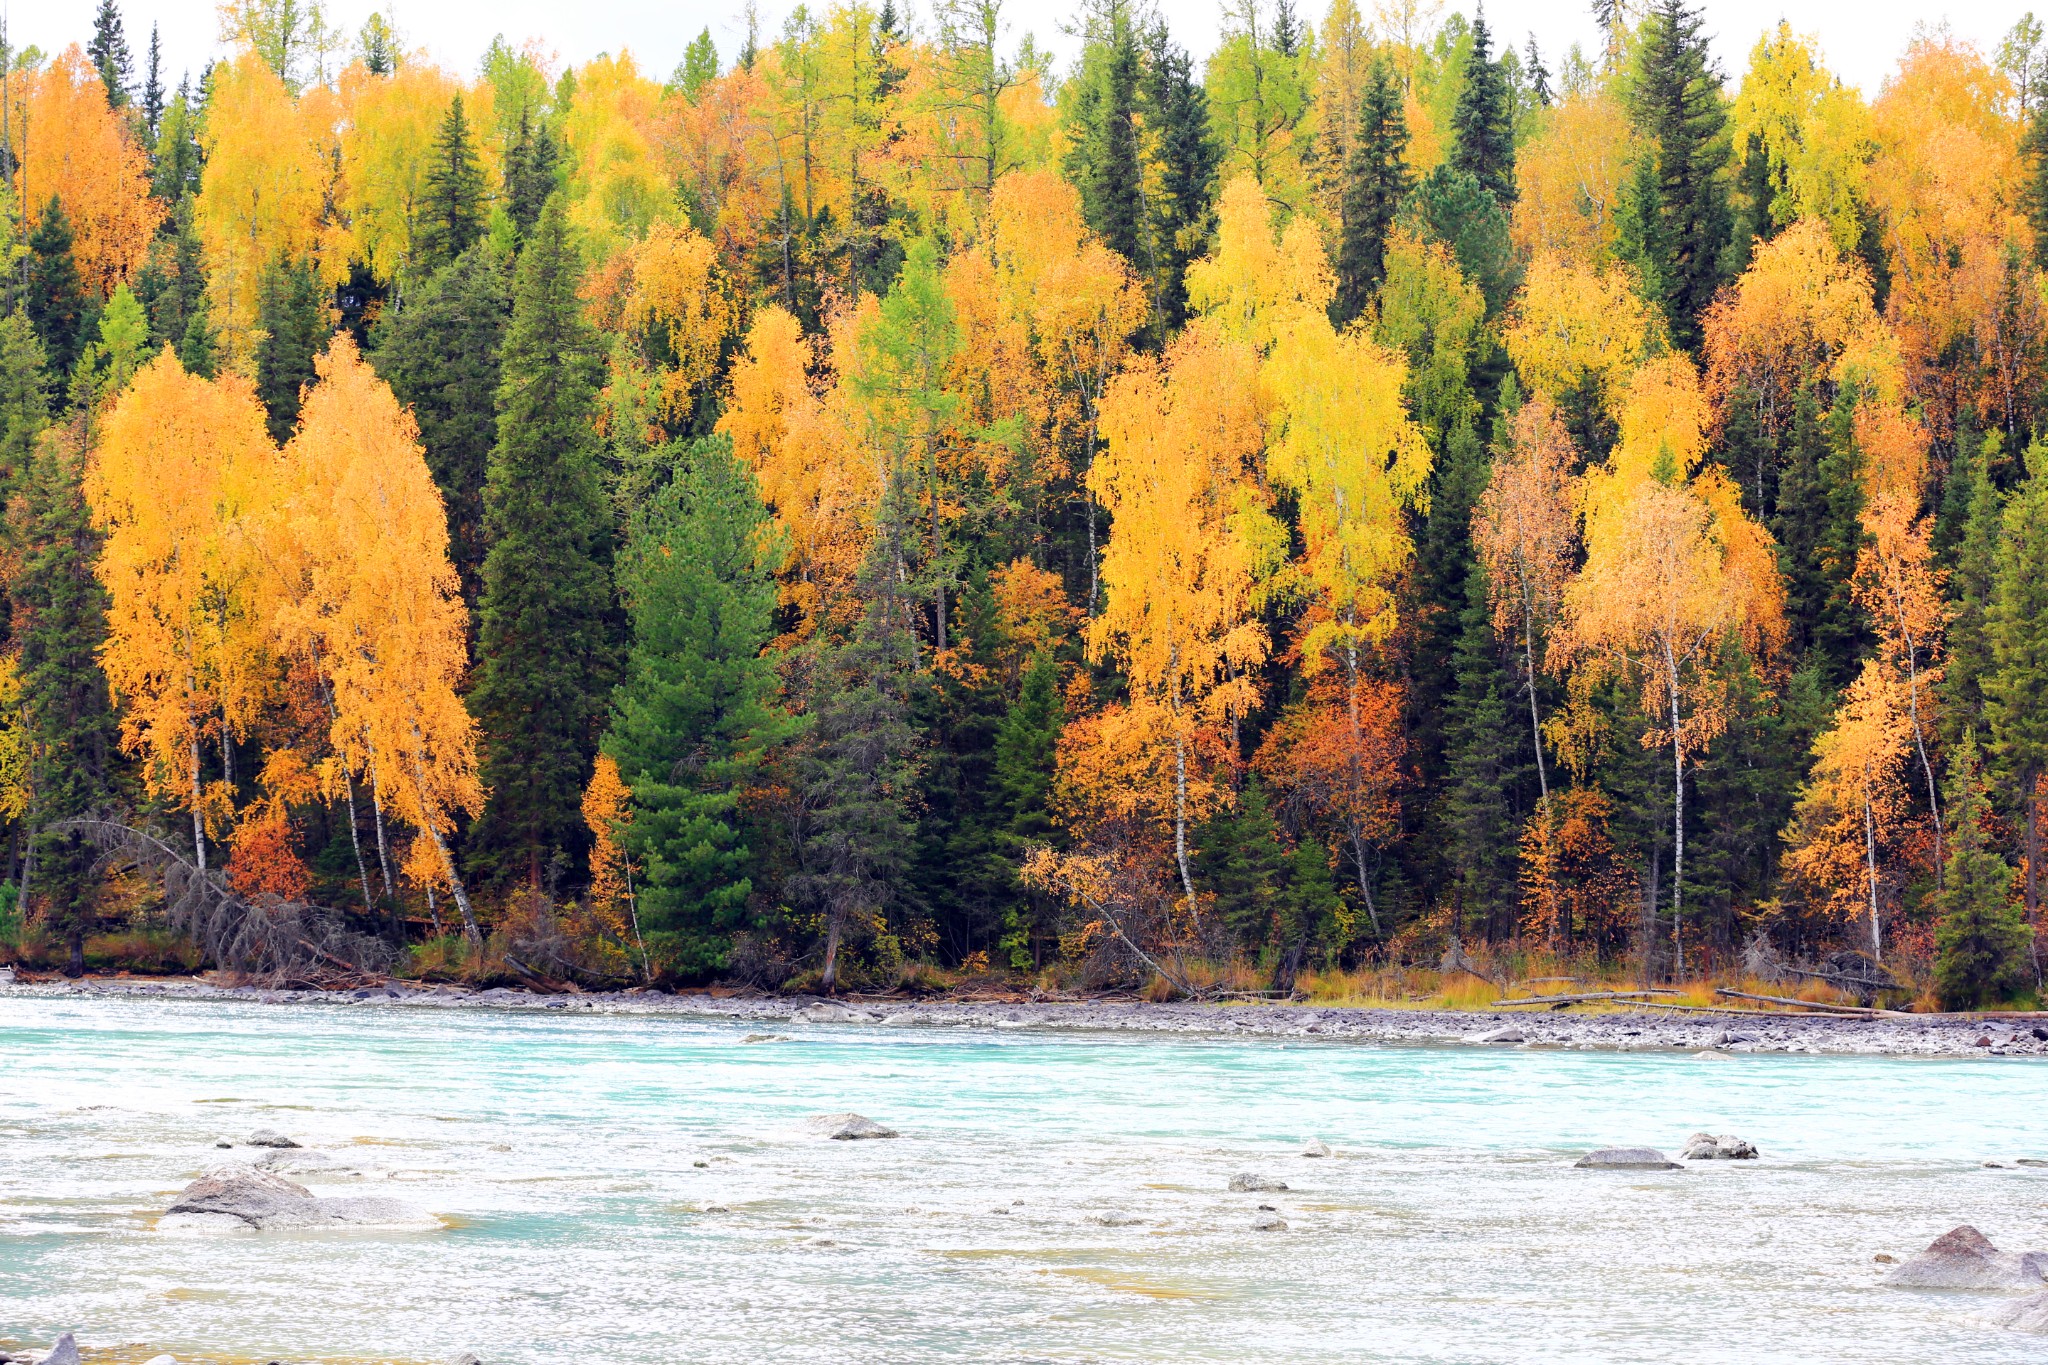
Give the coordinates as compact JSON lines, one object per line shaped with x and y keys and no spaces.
{"x":1251,"y":1182}
{"x":1708,"y":1147}
{"x":65,"y":1352}
{"x":268,"y":1137}
{"x":231,"y":1196}
{"x":1626,"y":1159}
{"x":1963,"y":1258}
{"x":849,"y":1127}
{"x":1315,"y":1147}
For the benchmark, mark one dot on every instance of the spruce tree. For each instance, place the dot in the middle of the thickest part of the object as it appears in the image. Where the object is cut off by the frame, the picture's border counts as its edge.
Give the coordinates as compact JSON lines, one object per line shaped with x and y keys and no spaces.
{"x":452,"y":207}
{"x":1972,"y":579}
{"x":1539,"y":75}
{"x":293,"y":318}
{"x":1185,"y":151}
{"x":1452,"y":207}
{"x":1678,"y":109}
{"x":545,"y":648}
{"x":1980,"y":941}
{"x":1375,"y":182}
{"x":529,"y":173}
{"x":698,"y":708}
{"x":1819,"y":529}
{"x":441,"y":357}
{"x":24,"y":398}
{"x":698,"y":68}
{"x":2016,"y":687}
{"x":1239,"y":861}
{"x":55,"y":298}
{"x":153,"y":87}
{"x":1483,"y":121}
{"x":1026,"y":753}
{"x":108,"y":50}
{"x":1477,"y":815}
{"x":59,"y":623}
{"x":1103,"y":160}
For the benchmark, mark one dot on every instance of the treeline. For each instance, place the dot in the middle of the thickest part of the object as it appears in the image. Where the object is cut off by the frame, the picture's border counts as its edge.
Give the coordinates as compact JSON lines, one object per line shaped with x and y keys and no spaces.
{"x":875,"y":498}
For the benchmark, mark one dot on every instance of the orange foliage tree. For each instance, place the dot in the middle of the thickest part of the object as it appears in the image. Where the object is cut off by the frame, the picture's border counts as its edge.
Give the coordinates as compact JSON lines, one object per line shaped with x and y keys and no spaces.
{"x":79,"y":151}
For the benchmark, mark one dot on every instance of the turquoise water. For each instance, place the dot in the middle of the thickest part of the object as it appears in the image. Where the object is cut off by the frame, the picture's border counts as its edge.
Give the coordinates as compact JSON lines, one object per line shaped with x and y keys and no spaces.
{"x":563,"y":1155}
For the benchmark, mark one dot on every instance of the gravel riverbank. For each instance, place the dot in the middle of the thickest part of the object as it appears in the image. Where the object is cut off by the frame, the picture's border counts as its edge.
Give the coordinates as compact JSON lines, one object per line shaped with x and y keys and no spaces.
{"x":1632,"y":1030}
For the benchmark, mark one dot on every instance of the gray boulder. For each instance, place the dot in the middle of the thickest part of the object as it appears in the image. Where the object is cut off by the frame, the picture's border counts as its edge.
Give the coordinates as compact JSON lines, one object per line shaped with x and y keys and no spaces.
{"x":1507,"y":1034}
{"x":1269,"y":1223}
{"x":295,"y":1158}
{"x":1114,"y":1218}
{"x":161,"y":1360}
{"x":464,"y":1358}
{"x":2028,"y":1315}
{"x":1250,"y":1182}
{"x":268,"y":1137}
{"x":1963,"y":1258}
{"x":1315,"y":1147}
{"x":849,"y":1127}
{"x":1708,"y":1147}
{"x":231,"y":1196}
{"x":65,"y":1352}
{"x":1626,"y":1159}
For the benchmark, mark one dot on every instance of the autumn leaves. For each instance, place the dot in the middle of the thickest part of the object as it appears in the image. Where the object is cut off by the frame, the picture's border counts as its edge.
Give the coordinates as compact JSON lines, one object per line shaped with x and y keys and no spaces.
{"x":297,"y":602}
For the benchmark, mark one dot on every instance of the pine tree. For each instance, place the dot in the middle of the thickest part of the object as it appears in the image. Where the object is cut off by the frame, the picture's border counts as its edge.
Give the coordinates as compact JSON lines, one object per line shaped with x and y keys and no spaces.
{"x":1375,"y":182}
{"x":1026,"y":753}
{"x":1185,"y":151}
{"x":1980,"y":941}
{"x":108,"y":50}
{"x":1483,"y":122}
{"x":176,"y":160}
{"x":529,"y":173}
{"x":441,"y":357}
{"x":698,"y":708}
{"x":1539,"y":75}
{"x":1103,"y":160}
{"x":545,"y":645}
{"x":1819,"y":529}
{"x":1678,"y":109}
{"x":59,"y":623}
{"x":55,"y":298}
{"x":1452,"y":207}
{"x":452,"y":207}
{"x":153,"y":88}
{"x":293,"y":319}
{"x":1972,"y":580}
{"x":2016,"y":687}
{"x":377,"y":46}
{"x":1239,"y":861}
{"x":1482,"y":738}
{"x":698,"y":68}
{"x":24,"y":398}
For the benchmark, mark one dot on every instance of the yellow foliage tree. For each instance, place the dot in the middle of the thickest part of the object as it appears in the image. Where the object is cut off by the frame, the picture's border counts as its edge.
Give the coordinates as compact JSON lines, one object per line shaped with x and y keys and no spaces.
{"x":77,"y":149}
{"x":1569,"y":178}
{"x":386,"y":151}
{"x":1574,"y":326}
{"x":1816,"y":135}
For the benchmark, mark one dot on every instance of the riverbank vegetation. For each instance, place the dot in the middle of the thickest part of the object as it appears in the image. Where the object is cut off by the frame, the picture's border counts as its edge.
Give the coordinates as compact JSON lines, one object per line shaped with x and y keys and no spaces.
{"x":882,"y":509}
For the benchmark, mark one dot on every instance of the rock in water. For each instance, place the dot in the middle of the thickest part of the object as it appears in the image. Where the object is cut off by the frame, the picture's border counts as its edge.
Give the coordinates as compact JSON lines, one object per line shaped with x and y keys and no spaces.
{"x":848,"y":1127}
{"x":1509,"y":1034}
{"x":228,"y":1195}
{"x":1270,"y":1223}
{"x":464,"y":1358}
{"x":65,"y":1352}
{"x":268,"y":1137}
{"x":1626,"y":1159}
{"x":1114,"y":1218}
{"x":1250,"y":1182}
{"x":161,"y":1360}
{"x":1963,"y":1258}
{"x":1708,"y":1147}
{"x":2028,"y":1315}
{"x":1315,"y":1147}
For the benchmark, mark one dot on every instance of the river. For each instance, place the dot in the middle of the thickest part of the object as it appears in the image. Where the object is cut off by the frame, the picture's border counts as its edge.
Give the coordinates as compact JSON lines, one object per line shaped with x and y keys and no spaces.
{"x":629,"y":1189}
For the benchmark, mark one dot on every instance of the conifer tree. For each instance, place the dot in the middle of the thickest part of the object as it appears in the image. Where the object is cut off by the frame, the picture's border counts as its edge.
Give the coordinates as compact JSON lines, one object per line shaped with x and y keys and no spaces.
{"x":441,"y":357}
{"x":1026,"y":749}
{"x":1819,"y":528}
{"x":1239,"y":861}
{"x":1177,"y":114}
{"x":24,"y":397}
{"x":1678,"y":109}
{"x":108,"y":50}
{"x":1972,"y":581}
{"x":1483,"y":121}
{"x":293,"y":320}
{"x":1980,"y":941}
{"x":699,"y":66}
{"x":452,"y":211}
{"x":1450,"y":206}
{"x":544,"y":648}
{"x":153,"y":87}
{"x":55,"y":299}
{"x":2033,"y":194}
{"x":530,"y":172}
{"x":2016,"y":688}
{"x":1104,"y":158}
{"x":1483,"y":769}
{"x":1375,"y":182}
{"x":698,"y":708}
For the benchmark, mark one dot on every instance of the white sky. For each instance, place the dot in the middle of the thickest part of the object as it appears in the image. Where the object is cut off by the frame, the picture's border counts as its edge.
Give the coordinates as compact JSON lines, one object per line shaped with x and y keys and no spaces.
{"x":1862,"y":39}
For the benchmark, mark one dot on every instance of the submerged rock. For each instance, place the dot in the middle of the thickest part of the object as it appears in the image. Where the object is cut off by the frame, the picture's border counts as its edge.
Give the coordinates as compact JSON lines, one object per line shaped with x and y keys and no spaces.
{"x":1250,"y":1182}
{"x":296,"y":1158}
{"x":231,"y":1195}
{"x":1315,"y":1147}
{"x":849,"y":1127}
{"x":2028,"y":1315}
{"x":464,"y":1358}
{"x":268,"y":1137}
{"x":1626,"y":1159}
{"x":1270,"y":1223}
{"x":1963,"y":1258}
{"x":1708,"y":1147}
{"x":161,"y":1360}
{"x":1114,"y":1218}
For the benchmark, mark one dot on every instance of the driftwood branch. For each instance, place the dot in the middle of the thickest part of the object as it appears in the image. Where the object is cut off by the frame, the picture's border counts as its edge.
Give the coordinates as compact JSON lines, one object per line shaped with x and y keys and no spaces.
{"x":1820,"y":1007}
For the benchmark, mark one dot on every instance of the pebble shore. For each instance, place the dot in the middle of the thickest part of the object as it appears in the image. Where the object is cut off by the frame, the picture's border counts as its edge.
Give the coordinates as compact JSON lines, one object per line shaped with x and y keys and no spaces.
{"x":1626,"y":1030}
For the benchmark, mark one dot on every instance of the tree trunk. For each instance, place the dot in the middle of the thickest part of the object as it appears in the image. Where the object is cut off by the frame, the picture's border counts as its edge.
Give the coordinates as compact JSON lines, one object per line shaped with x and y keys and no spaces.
{"x":829,"y":980}
{"x":2033,"y":780}
{"x":1677,"y":820}
{"x":1870,"y":863}
{"x":198,"y":816}
{"x":355,"y":840}
{"x":1535,"y":720}
{"x":1180,"y":815}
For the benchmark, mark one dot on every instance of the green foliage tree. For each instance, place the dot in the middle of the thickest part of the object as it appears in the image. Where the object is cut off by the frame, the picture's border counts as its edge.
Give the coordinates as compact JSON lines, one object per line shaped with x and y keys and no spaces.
{"x":1103,"y":157}
{"x":108,"y":50}
{"x":698,"y":708}
{"x":1682,"y":191}
{"x":545,"y":644}
{"x":55,"y":297}
{"x":531,"y":172}
{"x":1480,"y":813}
{"x":452,"y":207}
{"x":1176,"y":110}
{"x":1980,"y":941}
{"x":1376,"y":180}
{"x":293,"y":318}
{"x":441,"y":357}
{"x":1450,"y":206}
{"x":1483,"y":123}
{"x":698,"y":68}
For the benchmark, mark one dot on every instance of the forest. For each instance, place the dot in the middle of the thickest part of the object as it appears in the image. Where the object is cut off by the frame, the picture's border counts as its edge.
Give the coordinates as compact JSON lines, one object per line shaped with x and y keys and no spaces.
{"x":880,"y":507}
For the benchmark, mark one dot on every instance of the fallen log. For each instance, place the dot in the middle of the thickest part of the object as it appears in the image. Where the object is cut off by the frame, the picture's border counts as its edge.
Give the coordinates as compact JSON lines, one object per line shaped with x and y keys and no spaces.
{"x":1819,"y":1007}
{"x":1555,"y":1000}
